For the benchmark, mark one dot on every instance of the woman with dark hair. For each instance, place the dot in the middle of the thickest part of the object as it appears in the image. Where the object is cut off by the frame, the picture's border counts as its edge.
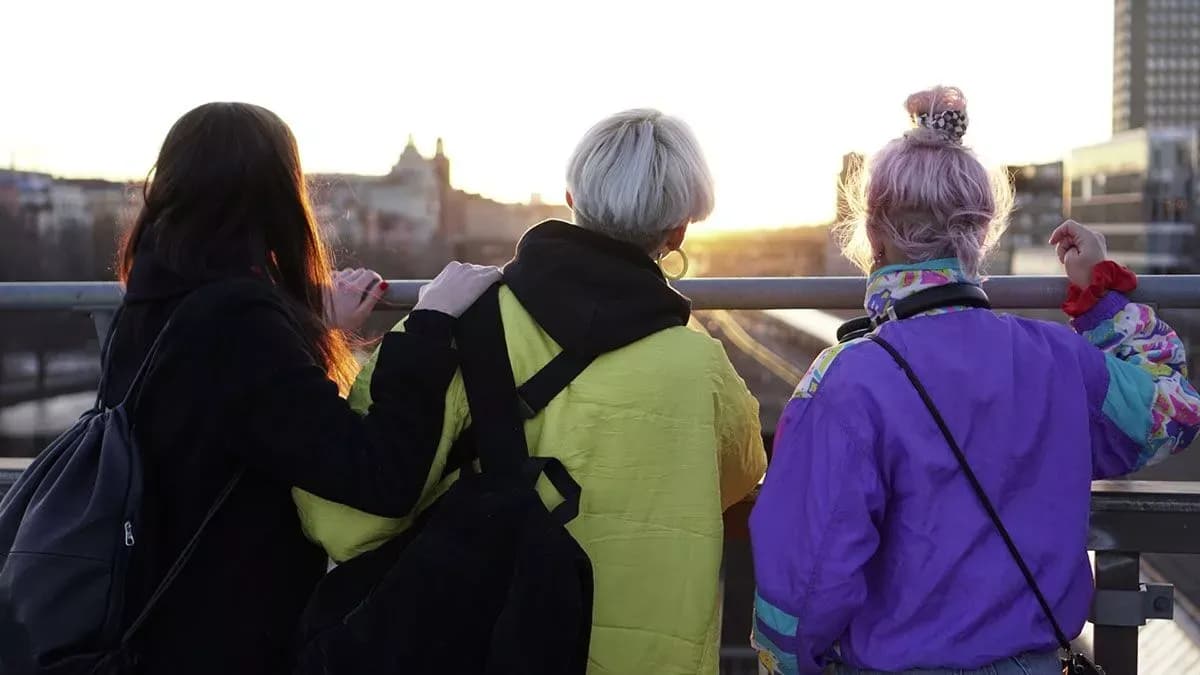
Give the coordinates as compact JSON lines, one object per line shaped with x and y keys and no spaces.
{"x":247,"y":378}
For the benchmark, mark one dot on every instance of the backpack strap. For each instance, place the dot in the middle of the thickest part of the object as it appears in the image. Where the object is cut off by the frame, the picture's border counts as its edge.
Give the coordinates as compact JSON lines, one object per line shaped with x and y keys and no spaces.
{"x":532,"y":397}
{"x":181,"y":560}
{"x":106,"y":343}
{"x":539,"y":390}
{"x":1061,"y":637}
{"x":130,"y":402}
{"x":491,"y":389}
{"x":133,"y":395}
{"x":499,"y":409}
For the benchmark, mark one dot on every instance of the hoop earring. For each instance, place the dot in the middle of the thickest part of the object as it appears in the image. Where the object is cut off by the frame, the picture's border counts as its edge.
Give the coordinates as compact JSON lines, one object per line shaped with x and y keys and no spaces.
{"x":682,"y":272}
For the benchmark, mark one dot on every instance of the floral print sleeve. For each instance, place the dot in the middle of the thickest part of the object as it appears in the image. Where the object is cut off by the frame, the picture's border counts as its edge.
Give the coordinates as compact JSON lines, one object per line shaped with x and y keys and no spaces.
{"x":1149,"y":397}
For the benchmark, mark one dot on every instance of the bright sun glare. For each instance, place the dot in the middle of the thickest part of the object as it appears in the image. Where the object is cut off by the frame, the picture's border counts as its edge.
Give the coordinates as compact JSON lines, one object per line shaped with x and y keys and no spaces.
{"x":776,"y":91}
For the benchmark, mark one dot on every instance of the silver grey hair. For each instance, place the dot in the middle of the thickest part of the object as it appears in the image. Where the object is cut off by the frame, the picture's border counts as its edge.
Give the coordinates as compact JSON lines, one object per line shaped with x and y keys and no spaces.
{"x":636,"y":175}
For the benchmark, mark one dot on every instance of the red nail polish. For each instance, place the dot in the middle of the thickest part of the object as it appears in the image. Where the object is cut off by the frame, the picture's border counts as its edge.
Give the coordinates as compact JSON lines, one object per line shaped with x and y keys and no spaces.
{"x":383,"y":285}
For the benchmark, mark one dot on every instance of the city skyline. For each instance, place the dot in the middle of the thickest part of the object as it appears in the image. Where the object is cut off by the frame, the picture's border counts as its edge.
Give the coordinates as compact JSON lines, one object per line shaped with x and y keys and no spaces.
{"x":775,"y":94}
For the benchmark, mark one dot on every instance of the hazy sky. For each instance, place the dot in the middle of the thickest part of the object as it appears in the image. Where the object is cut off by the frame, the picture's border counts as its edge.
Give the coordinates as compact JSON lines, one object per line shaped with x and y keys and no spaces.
{"x":775,"y":91}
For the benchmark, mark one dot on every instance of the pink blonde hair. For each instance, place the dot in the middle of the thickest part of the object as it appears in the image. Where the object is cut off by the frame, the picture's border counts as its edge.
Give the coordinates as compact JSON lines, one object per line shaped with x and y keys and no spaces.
{"x":926,"y":195}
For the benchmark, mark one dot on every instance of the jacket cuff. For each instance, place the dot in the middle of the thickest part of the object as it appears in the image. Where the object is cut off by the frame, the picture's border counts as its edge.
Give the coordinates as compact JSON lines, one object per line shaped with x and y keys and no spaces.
{"x":431,"y":324}
{"x":1106,"y":276}
{"x":1104,"y":309}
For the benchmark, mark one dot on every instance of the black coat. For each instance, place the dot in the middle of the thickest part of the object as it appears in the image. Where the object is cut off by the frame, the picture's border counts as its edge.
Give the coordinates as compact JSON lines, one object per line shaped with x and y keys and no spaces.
{"x":234,"y":386}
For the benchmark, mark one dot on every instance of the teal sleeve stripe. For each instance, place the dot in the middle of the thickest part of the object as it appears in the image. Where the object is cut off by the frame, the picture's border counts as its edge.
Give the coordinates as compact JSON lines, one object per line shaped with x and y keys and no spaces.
{"x":1129,"y":400}
{"x":775,"y":661}
{"x":778,"y":620}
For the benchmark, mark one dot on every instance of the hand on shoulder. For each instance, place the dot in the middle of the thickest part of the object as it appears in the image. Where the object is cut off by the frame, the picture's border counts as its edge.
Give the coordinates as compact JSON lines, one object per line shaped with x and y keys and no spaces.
{"x":457,"y":287}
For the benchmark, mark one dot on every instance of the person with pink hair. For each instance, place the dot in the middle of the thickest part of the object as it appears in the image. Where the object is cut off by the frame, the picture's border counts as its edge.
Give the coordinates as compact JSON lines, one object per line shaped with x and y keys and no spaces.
{"x":926,"y":506}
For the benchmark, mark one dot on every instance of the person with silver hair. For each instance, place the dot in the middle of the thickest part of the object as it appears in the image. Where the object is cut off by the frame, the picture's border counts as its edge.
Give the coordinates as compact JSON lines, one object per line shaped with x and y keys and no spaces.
{"x":657,"y":427}
{"x":640,"y":177}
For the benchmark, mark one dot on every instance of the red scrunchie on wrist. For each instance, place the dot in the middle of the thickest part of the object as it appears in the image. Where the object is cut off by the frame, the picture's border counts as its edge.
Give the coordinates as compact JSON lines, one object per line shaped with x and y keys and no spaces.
{"x":1106,"y":276}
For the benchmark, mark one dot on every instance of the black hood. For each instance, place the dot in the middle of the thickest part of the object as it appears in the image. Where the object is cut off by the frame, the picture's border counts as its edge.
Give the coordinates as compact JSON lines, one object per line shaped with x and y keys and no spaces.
{"x":152,"y":278}
{"x":591,"y":293}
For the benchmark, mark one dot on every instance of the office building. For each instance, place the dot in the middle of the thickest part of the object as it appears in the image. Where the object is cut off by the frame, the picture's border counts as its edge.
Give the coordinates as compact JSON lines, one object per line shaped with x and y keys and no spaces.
{"x":1139,"y":190}
{"x":1156,"y":64}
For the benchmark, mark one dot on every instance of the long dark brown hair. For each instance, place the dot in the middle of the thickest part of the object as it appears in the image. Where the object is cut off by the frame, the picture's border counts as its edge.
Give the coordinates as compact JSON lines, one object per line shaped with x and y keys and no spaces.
{"x":227,"y":195}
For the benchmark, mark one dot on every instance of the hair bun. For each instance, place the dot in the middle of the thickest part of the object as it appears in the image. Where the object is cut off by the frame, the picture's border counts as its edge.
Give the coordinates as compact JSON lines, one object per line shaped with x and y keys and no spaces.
{"x":941,"y":110}
{"x":935,"y":100}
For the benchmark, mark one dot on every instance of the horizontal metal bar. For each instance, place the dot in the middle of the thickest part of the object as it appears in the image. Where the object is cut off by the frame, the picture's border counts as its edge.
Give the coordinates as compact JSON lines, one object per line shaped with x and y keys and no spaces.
{"x":1114,"y":607}
{"x":58,"y":295}
{"x":1145,"y":516}
{"x":1146,"y":496}
{"x":1178,"y":290}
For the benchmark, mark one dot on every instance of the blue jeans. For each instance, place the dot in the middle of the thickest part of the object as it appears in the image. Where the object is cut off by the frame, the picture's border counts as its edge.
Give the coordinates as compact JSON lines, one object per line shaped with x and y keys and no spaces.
{"x":1026,"y":664}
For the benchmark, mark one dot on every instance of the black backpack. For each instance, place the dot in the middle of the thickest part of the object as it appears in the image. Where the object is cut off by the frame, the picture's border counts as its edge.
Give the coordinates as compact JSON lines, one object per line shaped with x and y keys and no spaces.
{"x":67,"y":531}
{"x":488,"y":580}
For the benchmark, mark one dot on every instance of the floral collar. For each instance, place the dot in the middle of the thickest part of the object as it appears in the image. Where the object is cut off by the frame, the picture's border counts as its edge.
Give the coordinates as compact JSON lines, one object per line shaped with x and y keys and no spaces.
{"x":894,"y":282}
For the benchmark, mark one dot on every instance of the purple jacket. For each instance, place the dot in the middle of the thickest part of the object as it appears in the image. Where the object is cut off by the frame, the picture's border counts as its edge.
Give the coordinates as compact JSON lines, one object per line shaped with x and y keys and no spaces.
{"x":869,"y":545}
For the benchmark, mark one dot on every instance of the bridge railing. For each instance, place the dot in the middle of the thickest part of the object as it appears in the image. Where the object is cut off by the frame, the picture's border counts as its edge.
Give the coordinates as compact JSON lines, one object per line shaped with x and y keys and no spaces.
{"x":1128,"y":518}
{"x":1180,"y":290}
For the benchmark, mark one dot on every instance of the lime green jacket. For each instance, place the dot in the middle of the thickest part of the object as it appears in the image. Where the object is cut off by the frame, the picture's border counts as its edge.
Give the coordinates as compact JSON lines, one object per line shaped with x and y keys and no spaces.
{"x":663,"y":435}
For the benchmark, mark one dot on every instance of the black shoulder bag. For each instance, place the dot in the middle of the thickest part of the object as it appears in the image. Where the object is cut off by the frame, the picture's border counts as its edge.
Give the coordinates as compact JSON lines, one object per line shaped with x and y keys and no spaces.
{"x":1074,"y":663}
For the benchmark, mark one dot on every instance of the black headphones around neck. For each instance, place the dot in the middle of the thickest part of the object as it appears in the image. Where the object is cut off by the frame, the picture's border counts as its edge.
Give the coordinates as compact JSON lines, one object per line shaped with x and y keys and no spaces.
{"x":950,"y":295}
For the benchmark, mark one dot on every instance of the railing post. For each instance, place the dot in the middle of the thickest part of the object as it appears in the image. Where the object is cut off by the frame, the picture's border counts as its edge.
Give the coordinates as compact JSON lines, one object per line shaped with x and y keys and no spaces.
{"x":102,"y":318}
{"x":1116,"y":647}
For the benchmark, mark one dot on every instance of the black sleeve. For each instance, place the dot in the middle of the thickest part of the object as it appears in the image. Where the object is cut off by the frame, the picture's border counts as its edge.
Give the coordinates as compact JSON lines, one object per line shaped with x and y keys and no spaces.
{"x":302,"y":432}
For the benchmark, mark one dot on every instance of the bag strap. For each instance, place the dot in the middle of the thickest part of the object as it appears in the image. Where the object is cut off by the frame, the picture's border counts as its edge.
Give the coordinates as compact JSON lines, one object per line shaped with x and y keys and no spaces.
{"x":130,"y":401}
{"x":182,"y":559}
{"x":106,"y":343}
{"x":570,"y":489}
{"x":490,"y":386}
{"x":976,"y":486}
{"x":532,"y":398}
{"x":133,"y":395}
{"x":539,"y":390}
{"x":499,"y":408}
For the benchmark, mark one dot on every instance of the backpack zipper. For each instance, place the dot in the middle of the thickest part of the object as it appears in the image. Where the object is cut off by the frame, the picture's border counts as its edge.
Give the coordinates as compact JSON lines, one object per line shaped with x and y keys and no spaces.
{"x":128,"y":533}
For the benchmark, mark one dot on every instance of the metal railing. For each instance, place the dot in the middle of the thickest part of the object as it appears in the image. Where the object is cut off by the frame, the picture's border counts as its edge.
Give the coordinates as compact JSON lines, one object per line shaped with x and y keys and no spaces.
{"x":1128,"y":518}
{"x":725,"y":293}
{"x":1175,"y":291}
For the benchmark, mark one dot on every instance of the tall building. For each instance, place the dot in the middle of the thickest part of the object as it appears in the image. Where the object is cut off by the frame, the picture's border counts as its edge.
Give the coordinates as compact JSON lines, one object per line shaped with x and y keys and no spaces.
{"x":1156,"y":64}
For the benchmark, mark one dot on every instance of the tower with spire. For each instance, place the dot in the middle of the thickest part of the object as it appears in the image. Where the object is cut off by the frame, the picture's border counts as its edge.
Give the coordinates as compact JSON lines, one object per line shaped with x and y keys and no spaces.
{"x":441,"y":165}
{"x":410,"y":160}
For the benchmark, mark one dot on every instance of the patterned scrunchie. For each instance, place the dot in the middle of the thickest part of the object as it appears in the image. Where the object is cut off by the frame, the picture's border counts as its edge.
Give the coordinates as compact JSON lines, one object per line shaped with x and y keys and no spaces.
{"x":952,"y":123}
